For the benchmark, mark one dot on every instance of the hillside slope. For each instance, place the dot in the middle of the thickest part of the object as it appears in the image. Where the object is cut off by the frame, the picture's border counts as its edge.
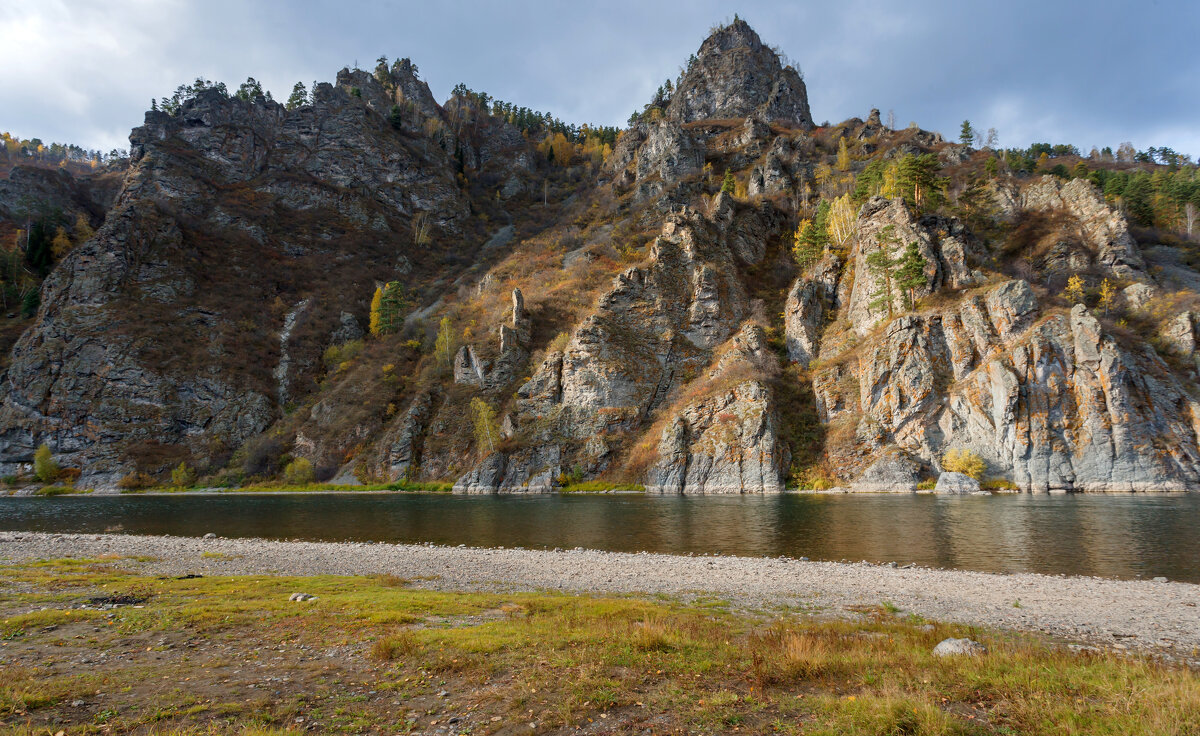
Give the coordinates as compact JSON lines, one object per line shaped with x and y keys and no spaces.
{"x":729,"y":300}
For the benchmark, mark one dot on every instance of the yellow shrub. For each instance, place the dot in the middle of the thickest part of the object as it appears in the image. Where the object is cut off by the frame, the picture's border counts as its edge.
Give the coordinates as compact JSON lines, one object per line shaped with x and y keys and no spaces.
{"x":965,"y":462}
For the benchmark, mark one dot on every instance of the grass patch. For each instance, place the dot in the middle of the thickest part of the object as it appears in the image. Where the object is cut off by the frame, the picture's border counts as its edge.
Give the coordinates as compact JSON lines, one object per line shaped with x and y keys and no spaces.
{"x":601,"y":486}
{"x":372,"y":654}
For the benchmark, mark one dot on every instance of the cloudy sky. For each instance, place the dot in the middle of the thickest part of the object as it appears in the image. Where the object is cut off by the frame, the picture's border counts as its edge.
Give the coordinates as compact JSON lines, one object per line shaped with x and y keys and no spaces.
{"x":1090,"y":72}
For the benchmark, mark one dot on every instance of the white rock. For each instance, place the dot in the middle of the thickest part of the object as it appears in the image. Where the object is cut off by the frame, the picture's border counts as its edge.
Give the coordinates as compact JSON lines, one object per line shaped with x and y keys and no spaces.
{"x":956,"y":483}
{"x":955,"y":647}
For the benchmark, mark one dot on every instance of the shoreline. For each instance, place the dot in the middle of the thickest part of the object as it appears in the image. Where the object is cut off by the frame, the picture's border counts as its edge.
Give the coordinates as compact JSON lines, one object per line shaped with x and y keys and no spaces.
{"x":349,"y":491}
{"x":1149,"y":616}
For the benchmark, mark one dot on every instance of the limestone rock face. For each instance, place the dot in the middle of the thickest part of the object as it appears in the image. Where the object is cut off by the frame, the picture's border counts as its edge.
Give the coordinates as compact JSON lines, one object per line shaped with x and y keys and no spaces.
{"x":882,"y":223}
{"x":727,"y":442}
{"x":138,"y":354}
{"x":403,"y":439}
{"x":657,"y":328}
{"x":809,"y":303}
{"x":735,"y":76}
{"x":1105,"y":231}
{"x":669,"y":152}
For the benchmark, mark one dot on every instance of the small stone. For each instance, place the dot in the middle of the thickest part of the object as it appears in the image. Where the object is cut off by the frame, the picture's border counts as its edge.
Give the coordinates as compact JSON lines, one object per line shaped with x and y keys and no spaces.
{"x":1160,"y":579}
{"x":300,"y":597}
{"x":210,"y":535}
{"x":805,"y":559}
{"x":77,"y":703}
{"x":956,"y":647}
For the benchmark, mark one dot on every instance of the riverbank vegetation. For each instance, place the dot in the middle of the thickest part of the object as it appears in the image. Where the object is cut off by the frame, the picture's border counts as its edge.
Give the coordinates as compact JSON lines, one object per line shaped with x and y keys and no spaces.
{"x":90,"y":648}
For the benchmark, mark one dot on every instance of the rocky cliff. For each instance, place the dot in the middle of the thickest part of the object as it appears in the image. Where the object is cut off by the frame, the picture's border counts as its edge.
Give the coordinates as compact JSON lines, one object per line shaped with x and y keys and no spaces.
{"x":631,"y":317}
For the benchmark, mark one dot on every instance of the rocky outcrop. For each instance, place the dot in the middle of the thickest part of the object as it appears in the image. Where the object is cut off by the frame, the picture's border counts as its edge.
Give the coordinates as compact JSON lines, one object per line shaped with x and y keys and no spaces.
{"x":810,"y":302}
{"x":157,"y":339}
{"x":735,"y":75}
{"x":403,"y":440}
{"x":1104,"y":231}
{"x":728,"y":441}
{"x":883,"y":224}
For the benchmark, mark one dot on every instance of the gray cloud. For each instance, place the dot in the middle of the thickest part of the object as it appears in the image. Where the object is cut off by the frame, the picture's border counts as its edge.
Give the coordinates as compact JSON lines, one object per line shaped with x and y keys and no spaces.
{"x":1088,"y":73}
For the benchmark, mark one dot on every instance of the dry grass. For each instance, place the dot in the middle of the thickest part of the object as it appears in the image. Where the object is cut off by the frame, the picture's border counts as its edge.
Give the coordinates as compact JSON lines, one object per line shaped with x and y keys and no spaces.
{"x":394,"y":646}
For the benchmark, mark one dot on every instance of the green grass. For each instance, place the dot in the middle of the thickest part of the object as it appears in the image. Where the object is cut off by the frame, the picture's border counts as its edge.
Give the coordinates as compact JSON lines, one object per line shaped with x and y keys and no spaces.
{"x":60,"y":491}
{"x":601,"y":486}
{"x":398,"y":487}
{"x":562,"y":661}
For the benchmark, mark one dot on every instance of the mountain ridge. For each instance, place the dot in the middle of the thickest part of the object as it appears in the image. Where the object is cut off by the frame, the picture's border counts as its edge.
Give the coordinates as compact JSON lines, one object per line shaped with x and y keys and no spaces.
{"x":695,"y":308}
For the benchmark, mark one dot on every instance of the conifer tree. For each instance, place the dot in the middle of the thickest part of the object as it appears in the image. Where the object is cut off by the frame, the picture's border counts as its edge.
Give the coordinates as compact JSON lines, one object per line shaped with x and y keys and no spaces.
{"x":728,"y":184}
{"x":882,"y":264}
{"x":910,"y":274}
{"x":966,"y":134}
{"x":298,"y":98}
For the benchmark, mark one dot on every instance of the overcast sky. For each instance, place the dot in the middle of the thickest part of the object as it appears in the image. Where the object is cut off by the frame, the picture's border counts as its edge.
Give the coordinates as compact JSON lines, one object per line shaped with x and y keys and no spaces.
{"x":1092,"y":72}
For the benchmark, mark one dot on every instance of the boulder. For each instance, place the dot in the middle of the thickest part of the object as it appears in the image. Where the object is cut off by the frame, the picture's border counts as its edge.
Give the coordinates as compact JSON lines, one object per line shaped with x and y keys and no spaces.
{"x":949,"y":482}
{"x":959,"y":648}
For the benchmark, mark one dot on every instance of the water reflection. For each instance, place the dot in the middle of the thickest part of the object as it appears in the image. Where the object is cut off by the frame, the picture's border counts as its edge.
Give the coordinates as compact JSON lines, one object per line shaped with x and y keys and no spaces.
{"x":1114,"y":536}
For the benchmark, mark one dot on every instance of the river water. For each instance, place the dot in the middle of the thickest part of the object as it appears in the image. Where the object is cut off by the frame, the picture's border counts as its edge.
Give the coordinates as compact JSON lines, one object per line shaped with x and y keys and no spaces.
{"x":1122,"y":536}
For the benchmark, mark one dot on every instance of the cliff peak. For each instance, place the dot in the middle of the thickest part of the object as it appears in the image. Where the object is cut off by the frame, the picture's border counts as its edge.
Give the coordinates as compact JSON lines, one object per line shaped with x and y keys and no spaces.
{"x":735,"y":75}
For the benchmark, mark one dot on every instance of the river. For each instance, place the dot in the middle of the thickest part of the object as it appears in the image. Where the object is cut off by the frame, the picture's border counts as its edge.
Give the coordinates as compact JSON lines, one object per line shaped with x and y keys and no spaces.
{"x":1120,"y":536}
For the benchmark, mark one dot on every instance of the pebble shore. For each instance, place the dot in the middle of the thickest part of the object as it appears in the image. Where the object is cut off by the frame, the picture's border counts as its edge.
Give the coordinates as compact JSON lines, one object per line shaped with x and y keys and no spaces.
{"x":1153,"y":616}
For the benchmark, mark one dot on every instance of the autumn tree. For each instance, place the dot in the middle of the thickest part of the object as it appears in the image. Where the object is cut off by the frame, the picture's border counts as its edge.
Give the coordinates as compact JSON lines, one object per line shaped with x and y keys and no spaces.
{"x":44,"y":466}
{"x":843,"y":155}
{"x":443,"y":348}
{"x":1108,"y":296}
{"x":808,"y":244}
{"x":61,"y":244}
{"x":183,"y":476}
{"x":387,"y":308}
{"x":1074,"y":292}
{"x":841,"y":220}
{"x":82,"y":231}
{"x":487,"y":432}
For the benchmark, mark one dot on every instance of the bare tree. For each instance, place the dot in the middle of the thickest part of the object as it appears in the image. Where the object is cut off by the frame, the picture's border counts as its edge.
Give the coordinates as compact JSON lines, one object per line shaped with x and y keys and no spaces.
{"x":891,"y":120}
{"x":992,"y":140}
{"x":1191,"y":214}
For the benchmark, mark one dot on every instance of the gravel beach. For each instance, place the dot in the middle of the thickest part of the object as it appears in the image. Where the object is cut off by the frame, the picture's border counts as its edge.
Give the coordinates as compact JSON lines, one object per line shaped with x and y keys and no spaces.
{"x":1144,"y":615}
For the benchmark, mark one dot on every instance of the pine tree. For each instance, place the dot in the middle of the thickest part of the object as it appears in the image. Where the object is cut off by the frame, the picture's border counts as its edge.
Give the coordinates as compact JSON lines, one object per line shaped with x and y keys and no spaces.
{"x":966,"y":134}
{"x":299,"y":96}
{"x":910,"y":275}
{"x":728,"y":184}
{"x":882,"y":264}
{"x":808,"y":244}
